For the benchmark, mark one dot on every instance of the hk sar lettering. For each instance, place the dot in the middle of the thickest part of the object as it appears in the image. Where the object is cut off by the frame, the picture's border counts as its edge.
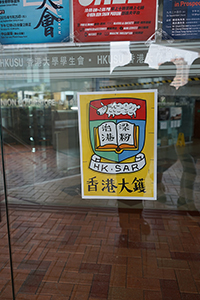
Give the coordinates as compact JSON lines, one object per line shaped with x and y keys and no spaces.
{"x":107,"y":2}
{"x":115,"y":168}
{"x":48,"y":17}
{"x":109,"y":185}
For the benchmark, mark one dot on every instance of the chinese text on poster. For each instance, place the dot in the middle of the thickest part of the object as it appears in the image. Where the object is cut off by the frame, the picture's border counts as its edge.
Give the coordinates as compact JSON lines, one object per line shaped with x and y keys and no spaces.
{"x":118,"y":139}
{"x":111,"y":20}
{"x":26,"y":21}
{"x":181,"y":19}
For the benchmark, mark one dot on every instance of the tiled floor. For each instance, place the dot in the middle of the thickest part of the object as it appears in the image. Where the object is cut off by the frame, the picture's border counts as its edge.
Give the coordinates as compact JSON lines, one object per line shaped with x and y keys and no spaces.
{"x":26,"y":165}
{"x":43,"y":176}
{"x":64,"y":247}
{"x":98,"y":254}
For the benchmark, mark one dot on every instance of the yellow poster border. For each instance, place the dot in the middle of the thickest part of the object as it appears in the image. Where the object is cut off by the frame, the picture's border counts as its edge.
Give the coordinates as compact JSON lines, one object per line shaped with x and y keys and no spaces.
{"x":84,"y":137}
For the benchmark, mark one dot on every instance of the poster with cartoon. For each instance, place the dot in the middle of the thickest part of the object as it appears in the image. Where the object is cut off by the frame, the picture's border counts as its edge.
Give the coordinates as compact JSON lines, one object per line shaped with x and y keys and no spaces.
{"x":118,"y":144}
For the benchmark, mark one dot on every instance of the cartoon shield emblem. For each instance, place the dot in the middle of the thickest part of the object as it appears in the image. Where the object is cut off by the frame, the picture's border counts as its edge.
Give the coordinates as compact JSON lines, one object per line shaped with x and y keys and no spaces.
{"x":117,"y":127}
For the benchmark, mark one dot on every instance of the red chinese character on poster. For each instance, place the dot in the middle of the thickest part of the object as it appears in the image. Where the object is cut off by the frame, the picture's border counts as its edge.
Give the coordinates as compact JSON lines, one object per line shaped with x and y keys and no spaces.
{"x":114,"y":20}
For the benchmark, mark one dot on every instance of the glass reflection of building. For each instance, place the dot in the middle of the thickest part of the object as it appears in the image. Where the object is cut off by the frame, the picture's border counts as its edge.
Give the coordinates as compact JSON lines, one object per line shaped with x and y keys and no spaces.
{"x":39,"y":115}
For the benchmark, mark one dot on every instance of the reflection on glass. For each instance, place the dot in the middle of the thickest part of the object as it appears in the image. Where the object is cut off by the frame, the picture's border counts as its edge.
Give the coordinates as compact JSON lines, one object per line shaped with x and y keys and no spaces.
{"x":52,"y":249}
{"x":6,"y":265}
{"x":186,"y":195}
{"x":40,"y":139}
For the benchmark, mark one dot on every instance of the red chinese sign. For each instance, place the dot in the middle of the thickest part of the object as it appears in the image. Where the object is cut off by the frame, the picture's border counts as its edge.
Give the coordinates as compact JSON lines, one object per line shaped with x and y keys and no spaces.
{"x":114,"y":20}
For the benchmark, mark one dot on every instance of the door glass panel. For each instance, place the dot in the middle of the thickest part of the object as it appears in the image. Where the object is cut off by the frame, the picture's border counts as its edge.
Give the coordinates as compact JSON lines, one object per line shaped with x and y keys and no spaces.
{"x":40,"y":120}
{"x":6,"y":284}
{"x":42,"y":160}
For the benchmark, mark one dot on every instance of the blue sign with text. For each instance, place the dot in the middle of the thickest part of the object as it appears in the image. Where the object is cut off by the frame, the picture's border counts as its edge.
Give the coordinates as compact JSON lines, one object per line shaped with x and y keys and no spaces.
{"x":27,"y":22}
{"x":181,"y":19}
